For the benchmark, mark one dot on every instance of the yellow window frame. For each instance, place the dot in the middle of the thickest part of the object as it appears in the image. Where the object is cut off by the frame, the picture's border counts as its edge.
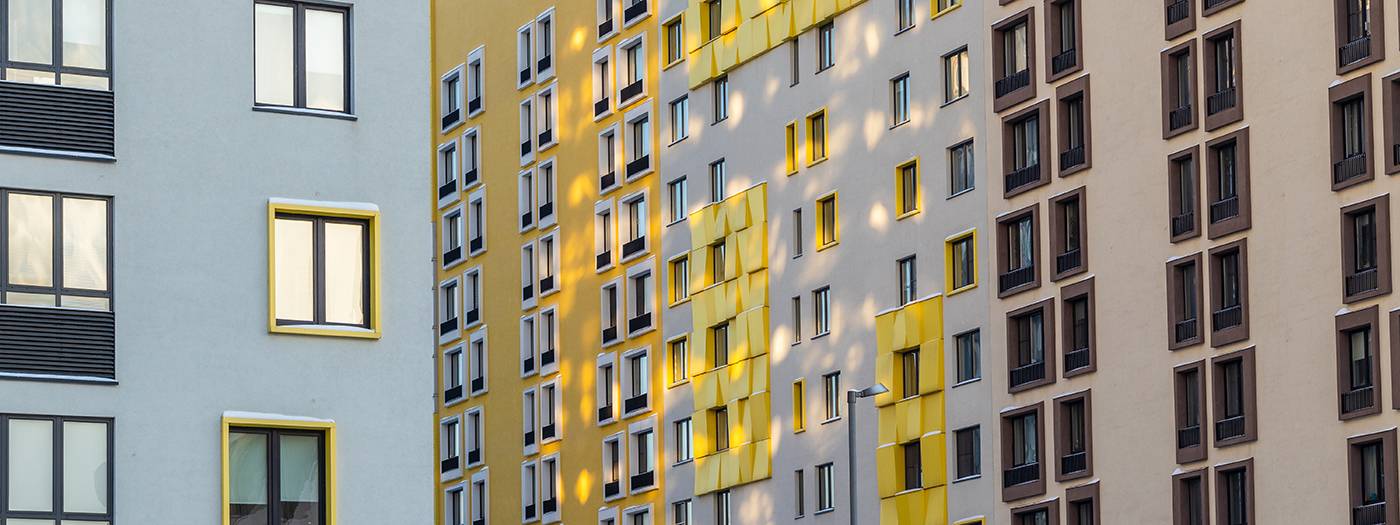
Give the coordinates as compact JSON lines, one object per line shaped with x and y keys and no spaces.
{"x":812,"y":158}
{"x":948,"y":261}
{"x":835,"y":221}
{"x":672,"y":296}
{"x":368,"y":214}
{"x":675,"y":21}
{"x":900,"y":190}
{"x":790,"y":148}
{"x":799,"y":406}
{"x":325,"y":426}
{"x":953,"y":5}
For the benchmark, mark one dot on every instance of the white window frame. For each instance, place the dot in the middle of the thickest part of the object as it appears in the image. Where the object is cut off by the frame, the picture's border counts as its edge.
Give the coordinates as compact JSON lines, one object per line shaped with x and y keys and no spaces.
{"x":603,"y":82}
{"x":621,"y":460}
{"x":554,"y":482}
{"x":525,"y":199}
{"x":461,"y":351}
{"x":680,"y":215}
{"x":454,"y":163}
{"x":478,"y":57}
{"x":547,"y":116}
{"x":478,"y":337}
{"x":445,"y":231}
{"x":618,"y":165}
{"x":525,"y":55}
{"x":629,"y":23}
{"x":530,"y":412}
{"x":546,"y":193}
{"x":831,"y":397}
{"x":639,"y":116}
{"x":607,"y":515}
{"x":476,"y":198}
{"x":640,"y":42}
{"x":527,"y":131}
{"x":625,"y":379}
{"x":547,"y":264}
{"x":555,"y":412}
{"x":689,"y":512}
{"x":475,"y":297}
{"x":683,"y":441}
{"x":480,"y":431}
{"x":529,"y":329}
{"x":527,"y":275}
{"x":623,"y":203}
{"x":443,"y":449}
{"x":605,"y":236}
{"x":607,"y":388}
{"x":530,"y":481}
{"x":551,"y":313}
{"x":679,"y":130}
{"x":645,"y":271}
{"x":459,"y":489}
{"x":481,"y":478}
{"x":644,"y":510}
{"x":458,"y":74}
{"x":615,"y":18}
{"x":550,"y":45}
{"x":443,"y":314}
{"x":619,"y":311}
{"x":471,"y":138}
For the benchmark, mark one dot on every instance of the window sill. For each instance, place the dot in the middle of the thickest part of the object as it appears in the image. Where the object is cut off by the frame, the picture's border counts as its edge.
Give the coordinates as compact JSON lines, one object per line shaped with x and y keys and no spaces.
{"x":899,"y":124}
{"x":955,"y":99}
{"x":675,"y":222}
{"x":678,"y":141}
{"x":815,"y":162}
{"x":325,"y":331}
{"x":967,"y":382}
{"x":720,"y":120}
{"x":678,"y":384}
{"x":903,"y":31}
{"x":449,"y":127}
{"x":306,"y":112}
{"x":672,"y":64}
{"x":961,"y":192}
{"x":824,"y":511}
{"x":945,"y":11}
{"x":57,"y":153}
{"x":821,"y":335}
{"x":831,"y":244}
{"x":676,"y":304}
{"x":476,"y":113}
{"x":967,"y":478}
{"x":683,"y":462}
{"x":907,"y":214}
{"x":957,"y":291}
{"x":453,"y":402}
{"x":832,"y":420}
{"x":55,"y":378}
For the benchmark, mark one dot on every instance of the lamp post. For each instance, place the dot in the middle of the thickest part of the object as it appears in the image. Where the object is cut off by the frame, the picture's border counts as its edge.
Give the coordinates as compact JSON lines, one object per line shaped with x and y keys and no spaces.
{"x":851,"y":397}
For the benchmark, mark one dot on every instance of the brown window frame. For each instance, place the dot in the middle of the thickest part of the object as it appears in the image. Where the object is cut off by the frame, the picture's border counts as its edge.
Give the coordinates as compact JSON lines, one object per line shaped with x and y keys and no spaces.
{"x":1081,"y":290}
{"x":1054,"y":14}
{"x":1210,"y":7}
{"x":1023,"y":93}
{"x":1374,"y":47}
{"x":1062,"y":437}
{"x":1216,"y":229}
{"x":1386,"y":439}
{"x":1059,"y":237}
{"x":1198,"y":451}
{"x":1186,"y":25}
{"x":1234,"y":333}
{"x":1064,"y":96}
{"x":1041,"y":112}
{"x":1349,"y":170}
{"x":1183,"y":226}
{"x":1171,"y":81}
{"x":1034,"y":487}
{"x":1380,"y":208}
{"x":1179,"y":496}
{"x":1051,"y":508}
{"x":1367,"y":400}
{"x":1248,"y":401}
{"x":1394,"y":323}
{"x":1083,"y":493}
{"x":1004,"y":250}
{"x":1221,"y":488}
{"x":1047,"y":327}
{"x":1174,"y":300}
{"x":1390,"y":105}
{"x":1235,"y":112}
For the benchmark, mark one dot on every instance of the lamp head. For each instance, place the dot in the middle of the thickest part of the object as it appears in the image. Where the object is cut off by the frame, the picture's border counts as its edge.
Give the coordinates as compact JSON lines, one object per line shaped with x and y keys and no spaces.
{"x":871,"y":391}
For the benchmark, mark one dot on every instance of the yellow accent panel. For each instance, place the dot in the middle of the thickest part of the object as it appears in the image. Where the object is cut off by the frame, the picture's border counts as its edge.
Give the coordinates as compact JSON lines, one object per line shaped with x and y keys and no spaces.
{"x":706,"y":391}
{"x":729,"y":16}
{"x":751,"y":242}
{"x":802,"y":15}
{"x":749,"y":29}
{"x":887,"y":466}
{"x":327,"y":427}
{"x":948,"y":262}
{"x":700,"y":443}
{"x":931,"y":367}
{"x":780,"y":26}
{"x":920,"y":418}
{"x":375,"y":330}
{"x":727,"y":51}
{"x":758,"y":412}
{"x":824,"y":9}
{"x":933,"y":454}
{"x":884,"y":374}
{"x":692,"y":35}
{"x":707,"y":474}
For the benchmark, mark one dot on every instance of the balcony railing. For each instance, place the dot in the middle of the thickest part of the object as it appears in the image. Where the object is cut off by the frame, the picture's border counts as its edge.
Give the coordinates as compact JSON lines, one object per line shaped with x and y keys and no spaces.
{"x":473,"y":456}
{"x":1076,"y":462}
{"x":527,"y":365}
{"x":451,"y":118}
{"x":1179,"y":118}
{"x":1220,"y":100}
{"x":1020,"y":474}
{"x":633,"y":247}
{"x":525,"y":148}
{"x":476,"y":244}
{"x":453,"y":394}
{"x":631,"y":12}
{"x":1183,"y":223}
{"x":605,"y":27}
{"x":1226,"y":208}
{"x":1212,"y":3}
{"x":478,"y":384}
{"x":612,"y":489}
{"x":1022,"y":176}
{"x":546,"y":210}
{"x":1186,"y":330}
{"x":1028,"y":373}
{"x":1017,"y":277}
{"x":1362,"y":281}
{"x":643,"y":480}
{"x":1348,"y":168}
{"x":473,"y":316}
{"x":605,"y":413}
{"x":525,"y":74}
{"x":526,"y":219}
{"x":447,"y":326}
{"x":544,"y":63}
{"x":639,"y":323}
{"x":630,"y":91}
{"x":609,"y":334}
{"x":546,"y":136}
{"x":1072,"y":157}
{"x":1354,"y":51}
{"x":1069,"y":260}
{"x":1358,"y":399}
{"x":451,"y":464}
{"x":548,"y":432}
{"x":547,"y":357}
{"x":604,"y":259}
{"x":527,"y":292}
{"x":549,"y":506}
{"x":474,"y":105}
{"x":1013,"y":82}
{"x":1188,"y":437}
{"x":446,"y":190}
{"x":639,"y":165}
{"x":1229,"y":427}
{"x":547,"y":284}
{"x":1227,"y":317}
{"x":1076,"y":359}
{"x":469,"y":177}
{"x":1372,"y":514}
{"x":1065,"y":60}
{"x":1178,"y":11}
{"x":607,"y":180}
{"x":600,"y":107}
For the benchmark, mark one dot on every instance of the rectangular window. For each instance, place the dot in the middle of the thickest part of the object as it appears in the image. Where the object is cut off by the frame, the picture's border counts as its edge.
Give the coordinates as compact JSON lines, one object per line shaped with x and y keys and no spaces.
{"x":1067,"y":233}
{"x":602,"y":81}
{"x":908,"y":362}
{"x":479,"y":496}
{"x":545,"y":184}
{"x":826,"y":496}
{"x":799,"y":405}
{"x":719,"y":345}
{"x":956,"y":78}
{"x":58,"y":250}
{"x":636,"y":383}
{"x":905,"y":15}
{"x":680,"y":359}
{"x":1371,"y":467}
{"x":1037,"y":514}
{"x":944,"y":5}
{"x":1366,"y":249}
{"x":1017,"y":248}
{"x":524,"y":55}
{"x":828,"y":225}
{"x":1179,"y":107}
{"x":1180,"y":20}
{"x":453,"y":369}
{"x":549,"y":412}
{"x":913,"y":475}
{"x":1013,"y":60}
{"x":544,"y":45}
{"x":678,"y":199}
{"x":548,"y":114}
{"x":1229,"y":294}
{"x":609,"y":149}
{"x":1232,"y":397}
{"x":612,"y":312}
{"x":612,"y":467}
{"x":717,"y":263}
{"x":634,"y":226}
{"x":603,"y":234}
{"x":1073,"y":436}
{"x":474,"y":433}
{"x":550,"y":483}
{"x":1358,"y":43}
{"x":969,"y":355}
{"x":713,"y":18}
{"x":471,"y":157}
{"x":527,"y":275}
{"x":816,"y":137}
{"x":790,"y":148}
{"x":450,"y":98}
{"x":60,"y":468}
{"x":680,"y":119}
{"x":684,"y":452}
{"x":528,"y":346}
{"x":471,"y":297}
{"x":476,"y":362}
{"x":961,"y":258}
{"x":821,"y":311}
{"x":1358,"y":363}
{"x":1022,"y":439}
{"x":723,"y":514}
{"x":643,"y":447}
{"x":794,"y":61}
{"x":1234,"y":493}
{"x":1189,"y":390}
{"x":638,"y":143}
{"x":1072,"y":101}
{"x":799,"y":482}
{"x":451,"y":453}
{"x":1223,"y":76}
{"x":1350,"y":119}
{"x":448,"y":164}
{"x":301,"y":55}
{"x":1183,"y":198}
{"x":323,"y":269}
{"x":968,"y":445}
{"x":1184,"y":301}
{"x":607,"y":390}
{"x":82,"y":29}
{"x":721,"y":99}
{"x":606,"y":25}
{"x":1189,"y":503}
{"x":907,"y":280}
{"x":527,"y":131}
{"x":826,"y":56}
{"x":675,"y":40}
{"x":717,"y":181}
{"x":549,"y":341}
{"x":680,"y":279}
{"x":680,"y":513}
{"x":526,"y":196}
{"x":831,"y":383}
{"x":475,"y":82}
{"x":899,"y":97}
{"x":908,"y":192}
{"x":277,"y":473}
{"x":453,"y":506}
{"x":1063,"y":41}
{"x":796,"y":319}
{"x":1079,"y":327}
{"x":1031,"y":345}
{"x":720,"y":417}
{"x":797,"y":233}
{"x":961,"y":176}
{"x":1024,"y":136}
{"x":529,"y":490}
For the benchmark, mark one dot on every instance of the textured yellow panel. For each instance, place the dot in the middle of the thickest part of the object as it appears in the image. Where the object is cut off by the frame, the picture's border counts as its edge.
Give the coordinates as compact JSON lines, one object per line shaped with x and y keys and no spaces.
{"x":758,"y":331}
{"x":889,"y":512}
{"x":762,"y":459}
{"x":740,"y":424}
{"x":780,"y":27}
{"x":729,"y":466}
{"x":935,"y":507}
{"x":701,"y":442}
{"x":729,"y":13}
{"x":911,"y":507}
{"x":692,"y":26}
{"x":736,"y":384}
{"x":932,"y":319}
{"x":731,"y":265}
{"x":734,"y":211}
{"x":931,"y":366}
{"x":884,"y":332}
{"x":758,"y":380}
{"x":759,"y":412}
{"x":931,"y":412}
{"x":752,"y":242}
{"x":887,"y":467}
{"x":888,"y":424}
{"x":899,"y":335}
{"x":757,"y":198}
{"x":884,"y":373}
{"x":707,"y":474}
{"x":824,"y":9}
{"x":702,"y":65}
{"x":727,"y":54}
{"x":910,"y":419}
{"x":933,"y":453}
{"x":802,"y":12}
{"x":706,"y":389}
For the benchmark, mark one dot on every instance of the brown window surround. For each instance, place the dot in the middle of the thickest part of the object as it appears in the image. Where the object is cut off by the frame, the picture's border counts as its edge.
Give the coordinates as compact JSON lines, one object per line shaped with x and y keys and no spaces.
{"x":1025,"y":141}
{"x":1357,"y":43}
{"x":1073,"y":127}
{"x":1180,"y":17}
{"x":1190,"y":500}
{"x":1184,"y":194}
{"x":1185,"y":326}
{"x":1074,"y":446}
{"x":1180,"y":105}
{"x":1390,"y":104}
{"x":1371,"y":503}
{"x":1013,"y":87}
{"x":1189,"y":389}
{"x":1232,"y":398}
{"x":1026,"y":272}
{"x":1077,"y":311}
{"x":1358,"y":363}
{"x":1029,"y":514}
{"x":1227,"y":184}
{"x":1210,"y":7}
{"x":1029,"y":366}
{"x":1224,"y":88}
{"x":1076,"y":499}
{"x":1229,"y":294}
{"x":1069,"y":234}
{"x":1234,"y":492}
{"x":1395,"y":357}
{"x":1064,"y":39}
{"x":1366,"y":249}
{"x":1024,"y":476}
{"x":1350,"y":118}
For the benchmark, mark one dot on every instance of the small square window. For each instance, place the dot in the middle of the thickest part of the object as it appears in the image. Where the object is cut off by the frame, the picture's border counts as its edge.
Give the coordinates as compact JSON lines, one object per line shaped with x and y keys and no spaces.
{"x":336,"y":252}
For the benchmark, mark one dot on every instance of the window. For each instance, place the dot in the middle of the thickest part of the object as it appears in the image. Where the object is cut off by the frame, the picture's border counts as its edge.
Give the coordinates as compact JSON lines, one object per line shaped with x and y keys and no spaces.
{"x":636,"y":382}
{"x":549,"y":412}
{"x":276,"y":471}
{"x":680,"y":119}
{"x":960,"y":168}
{"x":1184,"y":301}
{"x":680,"y":359}
{"x":1031,"y":345}
{"x":1067,"y":233}
{"x":675,"y":40}
{"x":1183,"y":179}
{"x":821,"y":311}
{"x":800,"y":487}
{"x":605,"y":18}
{"x":1017,"y":249}
{"x":944,"y":5}
{"x":1013,"y":60}
{"x":680,"y":513}
{"x":899,"y":97}
{"x":71,"y":460}
{"x":634,"y":226}
{"x":1366,"y":249}
{"x":639,"y":515}
{"x":717,"y":181}
{"x":1179,"y":89}
{"x":723,"y":515}
{"x":1189,"y":390}
{"x":961,"y":259}
{"x":956,"y":79}
{"x":1073,"y":126}
{"x":548,"y":114}
{"x":1358,"y":363}
{"x":527,"y":345}
{"x":717,"y":263}
{"x":1232,"y":397}
{"x":1357,"y":44}
{"x":825,"y":47}
{"x":544,"y":45}
{"x":969,"y":356}
{"x":832,"y":396}
{"x":721,"y":99}
{"x":907,"y":283}
{"x":719,"y":345}
{"x":1227,"y":184}
{"x":1223,"y":72}
{"x":607,"y":391}
{"x":913,"y":476}
{"x":908,"y":362}
{"x":826,"y":496}
{"x":828,"y":226}
{"x":905,"y":14}
{"x":790,"y":148}
{"x":1234,"y":493}
{"x":1073,"y":438}
{"x":451,"y":448}
{"x":1351,"y":131}
{"x":603,"y":234}
{"x":639,"y":143}
{"x":323,"y":270}
{"x":816,"y":137}
{"x":720,"y":417}
{"x":453,"y":368}
{"x":471,"y":297}
{"x":301,"y":55}
{"x":1229,"y":294}
{"x":1189,"y":498}
{"x":527,"y":275}
{"x":680,"y":279}
{"x":82,"y":59}
{"x":550,"y":483}
{"x":453,"y":506}
{"x":530,"y":409}
{"x":968,"y":445}
{"x":529,"y":492}
{"x":794,"y":61}
{"x":450,"y":98}
{"x":679,"y":204}
{"x":796,"y":319}
{"x":479,"y":497}
{"x":448,"y":310}
{"x":799,"y":405}
{"x":1063,"y":40}
{"x":474,"y":435}
{"x":1371,"y":467}
{"x":714,"y":19}
{"x":609,"y":149}
{"x":475,"y":82}
{"x":527,"y":132}
{"x":476,"y":366}
{"x":524,"y":58}
{"x":526,"y":195}
{"x":602,"y":81}
{"x":643,"y":475}
{"x":1079,"y":327}
{"x":1047,"y":513}
{"x":471,"y":157}
{"x":633,"y":11}
{"x":448,"y":164}
{"x":549,"y":340}
{"x":1022,"y":440}
{"x":612,"y":312}
{"x":1023,"y":138}
{"x":59,"y":248}
{"x":684,"y":452}
{"x":544,"y":181}
{"x":908,"y":191}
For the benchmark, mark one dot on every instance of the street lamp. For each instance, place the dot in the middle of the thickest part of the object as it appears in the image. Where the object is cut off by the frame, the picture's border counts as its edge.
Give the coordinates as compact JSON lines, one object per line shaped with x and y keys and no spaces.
{"x":851,"y":397}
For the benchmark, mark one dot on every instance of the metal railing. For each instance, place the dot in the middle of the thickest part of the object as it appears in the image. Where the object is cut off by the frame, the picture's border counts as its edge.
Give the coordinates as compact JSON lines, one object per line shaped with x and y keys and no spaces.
{"x":1076,"y":359}
{"x":1022,"y":176}
{"x":1227,"y":317}
{"x":1178,"y":11}
{"x":1069,"y":260}
{"x":1027,"y":374}
{"x":1186,"y":330}
{"x":1362,"y":281}
{"x":1372,"y":514}
{"x":1013,"y":82}
{"x":1016,"y":278}
{"x":1020,"y":474}
{"x":1072,"y":157}
{"x":1065,"y":60}
{"x":1229,"y":428}
{"x":1358,"y":399}
{"x":1354,"y":51}
{"x":1220,"y":101}
{"x":1348,"y":168}
{"x":1188,"y":437}
{"x":1076,"y":462}
{"x":1224,"y":209}
{"x":1179,"y":118}
{"x":1183,"y":223}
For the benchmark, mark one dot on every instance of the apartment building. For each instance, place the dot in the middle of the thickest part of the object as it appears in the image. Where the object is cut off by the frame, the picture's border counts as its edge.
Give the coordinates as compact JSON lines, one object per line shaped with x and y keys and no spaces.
{"x":210,"y":278}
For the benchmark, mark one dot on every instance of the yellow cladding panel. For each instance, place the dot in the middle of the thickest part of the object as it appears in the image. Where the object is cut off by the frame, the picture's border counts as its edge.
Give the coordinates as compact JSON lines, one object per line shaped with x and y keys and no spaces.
{"x":916,"y":416}
{"x":884,"y":374}
{"x":707,"y":474}
{"x":757,"y":414}
{"x":758,"y":381}
{"x":933,"y":453}
{"x":887,"y":468}
{"x":762,"y":460}
{"x":802,"y":14}
{"x":700,"y":443}
{"x":751,"y":242}
{"x":931,"y":366}
{"x":825,"y":9}
{"x":734,"y":381}
{"x":729,"y":14}
{"x":692,"y":27}
{"x":780,"y":26}
{"x":935,"y":507}
{"x":707,"y":390}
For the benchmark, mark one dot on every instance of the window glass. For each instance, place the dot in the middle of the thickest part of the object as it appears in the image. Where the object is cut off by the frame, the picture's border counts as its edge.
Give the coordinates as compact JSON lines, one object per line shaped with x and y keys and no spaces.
{"x":345,"y":273}
{"x":85,"y":34}
{"x":85,"y":467}
{"x":300,"y":478}
{"x":247,"y":453}
{"x":296,"y":271}
{"x":31,"y":465}
{"x":272,"y":55}
{"x":31,"y":31}
{"x":325,"y":60}
{"x":31,"y":240}
{"x":84,"y":244}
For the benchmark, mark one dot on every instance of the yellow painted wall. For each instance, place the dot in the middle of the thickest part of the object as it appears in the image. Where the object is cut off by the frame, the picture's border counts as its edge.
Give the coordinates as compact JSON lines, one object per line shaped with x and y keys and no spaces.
{"x":749,"y":29}
{"x":918,"y":417}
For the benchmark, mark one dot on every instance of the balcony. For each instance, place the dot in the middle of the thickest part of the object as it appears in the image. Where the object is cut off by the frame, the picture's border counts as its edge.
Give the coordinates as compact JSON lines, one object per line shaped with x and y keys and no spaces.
{"x":1076,"y":462}
{"x":1076,"y":359}
{"x":58,"y":118}
{"x":604,"y":259}
{"x":451,"y":464}
{"x":1186,"y":330}
{"x":1020,"y":474}
{"x":547,"y":284}
{"x":600,"y":107}
{"x":636,"y":167}
{"x":447,"y":326}
{"x":634,"y":403}
{"x":546,"y":210}
{"x":1188,"y":437}
{"x":1231,"y":427}
{"x":1072,"y":157}
{"x":639,"y":323}
{"x":1027,"y":374}
{"x":630,"y":92}
{"x":643,"y":480}
{"x":1349,"y":168}
{"x":1183,"y":223}
{"x":1179,"y":118}
{"x":527,"y":292}
{"x":1178,"y":11}
{"x":1226,"y":208}
{"x":1064,"y":61}
{"x":1212,"y":3}
{"x":469,"y":177}
{"x":1358,"y":399}
{"x":1016,"y":278}
{"x":550,"y":505}
{"x":1220,"y":100}
{"x":544,"y":63}
{"x":1010,"y":83}
{"x":548,"y":432}
{"x":605,"y":413}
{"x":1370,"y":514}
{"x":1069,"y":260}
{"x":452,"y":117}
{"x":546,"y":137}
{"x":473,"y":456}
{"x":609,"y":334}
{"x":473,"y":316}
{"x":1362,"y":281}
{"x":1022,"y":176}
{"x":612,"y":489}
{"x":446,"y":190}
{"x":474,"y":105}
{"x":530,"y":512}
{"x":1354,"y":51}
{"x":634,"y":247}
{"x":547,"y":357}
{"x":607,"y":180}
{"x":605,"y":27}
{"x":476,"y":244}
{"x":452,"y":394}
{"x":632,"y":12}
{"x":1226,"y":318}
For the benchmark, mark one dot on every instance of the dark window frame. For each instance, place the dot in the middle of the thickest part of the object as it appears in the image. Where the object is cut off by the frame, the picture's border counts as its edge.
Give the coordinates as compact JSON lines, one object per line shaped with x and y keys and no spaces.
{"x":1181,"y":27}
{"x":1051,"y":509}
{"x":56,"y":513}
{"x":1083,"y":494}
{"x":1082,"y":290}
{"x":1035,"y":487}
{"x":1175,"y":306}
{"x":57,"y":290}
{"x":976,"y":367}
{"x":1233,"y":333}
{"x":1235,"y":112}
{"x":1198,"y":451}
{"x":1373,"y":42}
{"x":973,"y":453}
{"x":57,"y":67}
{"x":1348,"y":323}
{"x":1338,"y":98}
{"x":1222,"y":489}
{"x":826,"y":46}
{"x":1046,"y":308}
{"x":1171,"y":93}
{"x":274,"y":436}
{"x":1379,"y":207}
{"x":1071,"y":59}
{"x":299,"y":72}
{"x":1248,"y":404}
{"x":1179,"y":481}
{"x":1041,"y":112}
{"x":1241,"y":221}
{"x":1004,"y":225}
{"x":1023,"y":93}
{"x":1063,"y":437}
{"x":1210,"y":7}
{"x":1390,"y":105}
{"x":1389,"y":493}
{"x":1066,"y":95}
{"x":1059,"y":234}
{"x":968,"y":152}
{"x":319,"y":268}
{"x":1182,"y":226}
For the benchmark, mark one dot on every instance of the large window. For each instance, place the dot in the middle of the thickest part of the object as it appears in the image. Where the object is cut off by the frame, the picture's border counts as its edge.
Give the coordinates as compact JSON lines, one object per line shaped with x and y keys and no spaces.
{"x":278,"y":474}
{"x":59,"y":469}
{"x":58,"y":42}
{"x":301,"y":55}
{"x":969,"y":357}
{"x":57,"y":250}
{"x":826,"y":492}
{"x":960,"y":165}
{"x":322,"y":268}
{"x":968,"y":447}
{"x":956,"y":80}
